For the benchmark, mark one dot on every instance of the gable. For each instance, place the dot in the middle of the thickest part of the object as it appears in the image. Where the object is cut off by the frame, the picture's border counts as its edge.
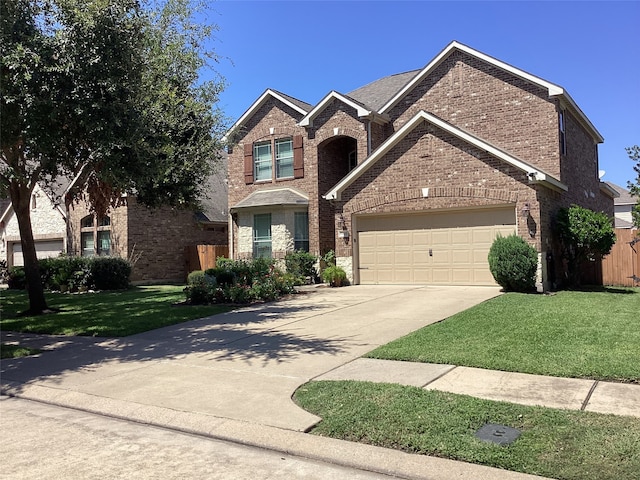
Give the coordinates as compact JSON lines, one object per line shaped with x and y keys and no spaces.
{"x":533,"y":174}
{"x":361,"y":110}
{"x":552,"y":90}
{"x":297,"y":107}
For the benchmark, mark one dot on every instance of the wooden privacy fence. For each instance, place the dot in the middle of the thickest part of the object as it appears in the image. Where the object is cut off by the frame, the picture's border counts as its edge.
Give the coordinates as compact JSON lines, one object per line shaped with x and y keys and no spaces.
{"x":622,"y":266}
{"x":201,"y":257}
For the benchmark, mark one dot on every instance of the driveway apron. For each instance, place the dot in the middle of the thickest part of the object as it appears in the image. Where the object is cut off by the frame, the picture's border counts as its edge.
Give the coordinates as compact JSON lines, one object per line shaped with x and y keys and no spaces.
{"x":245,"y":364}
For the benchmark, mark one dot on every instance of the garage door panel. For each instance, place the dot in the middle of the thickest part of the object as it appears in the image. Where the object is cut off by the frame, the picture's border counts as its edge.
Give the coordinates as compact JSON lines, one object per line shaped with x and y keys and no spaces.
{"x":44,"y":249}
{"x":397,"y":248}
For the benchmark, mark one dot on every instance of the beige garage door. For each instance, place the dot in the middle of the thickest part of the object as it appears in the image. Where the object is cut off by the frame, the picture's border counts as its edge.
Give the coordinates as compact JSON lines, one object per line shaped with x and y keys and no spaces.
{"x":443,"y":248}
{"x":44,"y":249}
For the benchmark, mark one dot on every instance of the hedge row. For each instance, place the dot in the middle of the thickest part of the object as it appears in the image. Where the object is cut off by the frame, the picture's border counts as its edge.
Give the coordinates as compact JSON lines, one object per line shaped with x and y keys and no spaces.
{"x":77,"y":273}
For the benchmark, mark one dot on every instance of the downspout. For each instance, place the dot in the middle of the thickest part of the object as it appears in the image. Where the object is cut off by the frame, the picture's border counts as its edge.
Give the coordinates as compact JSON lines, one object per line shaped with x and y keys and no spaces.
{"x":369,"y":137}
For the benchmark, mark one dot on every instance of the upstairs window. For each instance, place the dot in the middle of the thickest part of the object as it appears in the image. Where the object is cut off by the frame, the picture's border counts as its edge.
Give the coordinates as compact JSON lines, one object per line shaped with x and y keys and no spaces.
{"x":301,"y":234}
{"x":353,"y":160}
{"x":262,"y":161}
{"x":284,"y":158}
{"x":563,"y":138}
{"x":285,"y":155}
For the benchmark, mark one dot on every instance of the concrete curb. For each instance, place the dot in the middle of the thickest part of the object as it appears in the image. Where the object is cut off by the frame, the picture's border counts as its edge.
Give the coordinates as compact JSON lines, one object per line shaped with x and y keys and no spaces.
{"x":338,"y":452}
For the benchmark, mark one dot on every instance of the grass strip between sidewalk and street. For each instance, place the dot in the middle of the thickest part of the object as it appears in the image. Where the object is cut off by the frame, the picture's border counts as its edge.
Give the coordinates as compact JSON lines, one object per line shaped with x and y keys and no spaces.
{"x":104,"y":314}
{"x":568,"y":445}
{"x":580,"y":334}
{"x":16,"y":351}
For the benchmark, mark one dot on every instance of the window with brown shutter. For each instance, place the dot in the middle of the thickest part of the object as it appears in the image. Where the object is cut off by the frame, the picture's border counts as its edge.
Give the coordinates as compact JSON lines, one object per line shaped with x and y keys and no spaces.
{"x":248,"y":163}
{"x":298,"y":157}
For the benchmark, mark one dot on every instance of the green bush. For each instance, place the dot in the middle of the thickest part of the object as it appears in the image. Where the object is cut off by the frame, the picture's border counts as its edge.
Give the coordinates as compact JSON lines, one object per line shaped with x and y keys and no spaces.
{"x":195,"y":278}
{"x":301,"y":265}
{"x":62,"y":272}
{"x":16,"y":278}
{"x":240,"y":281}
{"x":335,"y":276}
{"x":110,"y":273}
{"x":513,"y":263}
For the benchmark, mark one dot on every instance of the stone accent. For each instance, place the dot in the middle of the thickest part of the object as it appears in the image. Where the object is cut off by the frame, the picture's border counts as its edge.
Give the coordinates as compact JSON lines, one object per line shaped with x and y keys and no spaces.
{"x":282,"y":231}
{"x":47,"y":223}
{"x":346,"y":263}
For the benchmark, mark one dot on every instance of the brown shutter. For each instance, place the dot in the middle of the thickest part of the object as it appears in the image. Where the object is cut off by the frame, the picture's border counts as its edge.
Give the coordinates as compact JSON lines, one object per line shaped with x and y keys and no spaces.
{"x":298,"y":157}
{"x":248,"y":163}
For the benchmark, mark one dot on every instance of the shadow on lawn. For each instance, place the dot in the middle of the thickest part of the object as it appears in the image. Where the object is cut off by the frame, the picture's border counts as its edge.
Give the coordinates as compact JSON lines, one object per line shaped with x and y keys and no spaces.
{"x":258,"y":335}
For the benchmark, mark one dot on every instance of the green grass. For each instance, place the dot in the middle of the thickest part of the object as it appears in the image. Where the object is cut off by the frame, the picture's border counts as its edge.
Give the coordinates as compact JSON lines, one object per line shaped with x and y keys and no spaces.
{"x":570,"y":334}
{"x":104,"y":314}
{"x":556,"y":443}
{"x":16,"y":351}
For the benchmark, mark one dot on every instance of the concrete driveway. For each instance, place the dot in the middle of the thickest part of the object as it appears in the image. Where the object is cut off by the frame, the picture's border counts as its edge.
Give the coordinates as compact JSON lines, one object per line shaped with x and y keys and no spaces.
{"x":243,"y":365}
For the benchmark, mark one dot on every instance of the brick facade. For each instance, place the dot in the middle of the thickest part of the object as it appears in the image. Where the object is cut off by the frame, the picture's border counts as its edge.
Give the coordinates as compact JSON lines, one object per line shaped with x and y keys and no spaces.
{"x":155,"y":238}
{"x":498,"y":105}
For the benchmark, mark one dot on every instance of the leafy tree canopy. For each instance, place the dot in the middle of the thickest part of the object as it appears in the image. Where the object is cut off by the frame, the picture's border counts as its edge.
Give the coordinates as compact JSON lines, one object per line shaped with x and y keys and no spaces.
{"x":584,"y":235}
{"x":105,"y":94}
{"x":634,"y":187}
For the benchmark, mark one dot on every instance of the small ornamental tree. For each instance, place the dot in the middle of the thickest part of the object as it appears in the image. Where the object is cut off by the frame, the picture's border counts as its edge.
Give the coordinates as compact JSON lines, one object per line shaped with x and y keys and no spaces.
{"x":513,"y":263}
{"x":584,"y":235}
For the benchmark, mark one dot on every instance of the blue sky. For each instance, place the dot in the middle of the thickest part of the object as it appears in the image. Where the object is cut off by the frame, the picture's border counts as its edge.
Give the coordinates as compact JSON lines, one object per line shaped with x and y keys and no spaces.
{"x":308,"y":48}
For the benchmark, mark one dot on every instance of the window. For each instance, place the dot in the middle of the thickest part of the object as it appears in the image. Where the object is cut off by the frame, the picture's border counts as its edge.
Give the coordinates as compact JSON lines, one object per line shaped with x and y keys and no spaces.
{"x":262,"y":161}
{"x":262,"y":235}
{"x":274,"y":160}
{"x":95,"y":236}
{"x":284,"y":158}
{"x":301,"y":234}
{"x":353,"y":160}
{"x":563,"y":139}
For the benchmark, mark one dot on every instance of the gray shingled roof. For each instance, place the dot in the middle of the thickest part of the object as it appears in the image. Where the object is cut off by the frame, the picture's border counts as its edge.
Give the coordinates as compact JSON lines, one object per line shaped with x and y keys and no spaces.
{"x":625,"y":197}
{"x":280,"y":196}
{"x":214,"y":206}
{"x":375,"y":94}
{"x":303,"y":105}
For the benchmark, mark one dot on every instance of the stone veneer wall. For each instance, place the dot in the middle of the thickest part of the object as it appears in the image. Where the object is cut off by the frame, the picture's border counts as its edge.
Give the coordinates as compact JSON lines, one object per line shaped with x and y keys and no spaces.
{"x":282,"y":232}
{"x":47,"y":223}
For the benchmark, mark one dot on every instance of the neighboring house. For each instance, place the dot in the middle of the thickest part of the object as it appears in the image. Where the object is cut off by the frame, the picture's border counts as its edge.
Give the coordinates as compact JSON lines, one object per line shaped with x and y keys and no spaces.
{"x":410,"y":178}
{"x":48,"y":221}
{"x":623,"y":204}
{"x":154,"y":239}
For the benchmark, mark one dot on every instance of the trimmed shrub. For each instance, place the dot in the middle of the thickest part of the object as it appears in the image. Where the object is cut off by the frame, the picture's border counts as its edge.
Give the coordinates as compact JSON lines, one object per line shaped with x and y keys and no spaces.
{"x":16,"y":278}
{"x":335,"y":276}
{"x":513,"y":263}
{"x":195,"y":278}
{"x":59,"y":273}
{"x":110,"y":273}
{"x":301,"y":265}
{"x":223,"y":277}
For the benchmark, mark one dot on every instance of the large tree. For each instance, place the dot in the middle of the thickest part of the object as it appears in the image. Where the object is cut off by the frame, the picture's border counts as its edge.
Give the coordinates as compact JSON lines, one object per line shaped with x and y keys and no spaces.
{"x":634,"y":187}
{"x":107,"y":96}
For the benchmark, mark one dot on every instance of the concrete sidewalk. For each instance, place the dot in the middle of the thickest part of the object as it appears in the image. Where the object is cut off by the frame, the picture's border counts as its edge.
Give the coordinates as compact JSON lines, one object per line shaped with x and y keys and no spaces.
{"x":525,"y":389}
{"x":232,"y":376}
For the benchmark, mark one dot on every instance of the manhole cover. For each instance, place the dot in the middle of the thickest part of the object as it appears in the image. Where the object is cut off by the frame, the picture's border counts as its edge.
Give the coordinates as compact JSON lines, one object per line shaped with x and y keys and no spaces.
{"x":500,"y":434}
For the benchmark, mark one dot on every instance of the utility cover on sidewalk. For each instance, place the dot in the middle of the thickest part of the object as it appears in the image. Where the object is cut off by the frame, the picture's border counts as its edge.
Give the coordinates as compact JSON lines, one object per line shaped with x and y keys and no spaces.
{"x":500,"y":434}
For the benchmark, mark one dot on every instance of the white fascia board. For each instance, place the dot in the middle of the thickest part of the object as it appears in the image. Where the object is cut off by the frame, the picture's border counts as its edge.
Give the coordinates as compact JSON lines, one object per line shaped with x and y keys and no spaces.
{"x":566,"y":99}
{"x":257,"y":104}
{"x":326,"y":101}
{"x":551,"y":88}
{"x":535,"y":175}
{"x":605,"y":188}
{"x":336,"y":191}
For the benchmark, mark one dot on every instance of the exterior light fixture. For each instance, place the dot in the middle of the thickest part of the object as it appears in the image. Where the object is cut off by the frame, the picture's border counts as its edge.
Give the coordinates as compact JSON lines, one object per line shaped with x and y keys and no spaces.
{"x":526,"y":210}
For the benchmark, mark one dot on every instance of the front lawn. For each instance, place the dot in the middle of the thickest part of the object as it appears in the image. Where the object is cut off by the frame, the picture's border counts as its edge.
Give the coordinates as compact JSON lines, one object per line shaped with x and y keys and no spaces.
{"x":104,"y":314}
{"x":568,"y":445}
{"x":578,"y":334}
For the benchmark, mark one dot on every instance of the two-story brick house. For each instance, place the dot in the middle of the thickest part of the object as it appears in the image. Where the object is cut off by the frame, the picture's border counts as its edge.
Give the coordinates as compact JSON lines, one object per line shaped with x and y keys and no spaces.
{"x":410,"y":178}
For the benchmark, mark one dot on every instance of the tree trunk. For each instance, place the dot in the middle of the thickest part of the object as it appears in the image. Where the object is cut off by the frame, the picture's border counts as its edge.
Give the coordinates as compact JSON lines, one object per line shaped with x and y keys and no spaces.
{"x":21,"y":199}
